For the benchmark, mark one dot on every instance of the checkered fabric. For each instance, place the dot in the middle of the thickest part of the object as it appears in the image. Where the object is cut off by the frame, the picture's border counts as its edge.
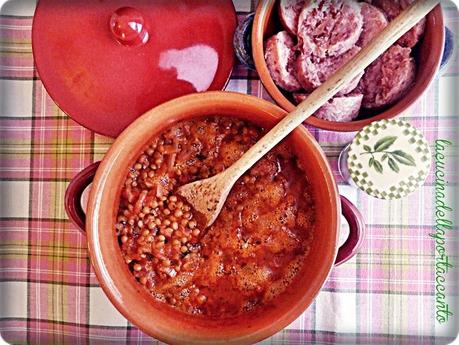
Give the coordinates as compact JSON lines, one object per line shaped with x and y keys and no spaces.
{"x":49,"y":293}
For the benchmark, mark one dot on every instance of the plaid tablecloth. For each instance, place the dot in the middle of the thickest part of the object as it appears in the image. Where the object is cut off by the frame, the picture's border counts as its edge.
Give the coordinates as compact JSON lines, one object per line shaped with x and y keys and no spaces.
{"x":49,"y":294}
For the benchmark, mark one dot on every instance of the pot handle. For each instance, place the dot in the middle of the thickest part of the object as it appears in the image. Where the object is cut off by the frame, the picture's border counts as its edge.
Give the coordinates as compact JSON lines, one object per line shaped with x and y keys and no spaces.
{"x":75,"y":189}
{"x":242,"y":41}
{"x":356,"y":232}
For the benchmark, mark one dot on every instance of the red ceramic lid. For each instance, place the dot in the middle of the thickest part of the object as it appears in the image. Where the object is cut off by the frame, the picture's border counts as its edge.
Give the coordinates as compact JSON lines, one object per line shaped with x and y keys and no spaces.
{"x":106,"y":62}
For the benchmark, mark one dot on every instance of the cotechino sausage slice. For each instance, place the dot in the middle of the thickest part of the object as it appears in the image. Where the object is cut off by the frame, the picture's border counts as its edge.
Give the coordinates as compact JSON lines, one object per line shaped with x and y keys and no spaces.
{"x":374,"y":21}
{"x":289,"y":11}
{"x":339,"y":109}
{"x":313,"y":71}
{"x":280,"y":58}
{"x":392,"y":8}
{"x":329,"y":28}
{"x":388,"y":78}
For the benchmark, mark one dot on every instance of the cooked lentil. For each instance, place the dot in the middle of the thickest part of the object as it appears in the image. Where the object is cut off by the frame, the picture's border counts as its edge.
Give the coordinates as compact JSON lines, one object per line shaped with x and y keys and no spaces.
{"x":253,"y":250}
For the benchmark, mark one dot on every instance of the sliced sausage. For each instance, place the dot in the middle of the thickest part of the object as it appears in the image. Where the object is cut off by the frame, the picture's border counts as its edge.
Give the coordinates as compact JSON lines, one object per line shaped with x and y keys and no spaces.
{"x":289,"y":11}
{"x":374,"y":21}
{"x":412,"y":37}
{"x":392,"y":8}
{"x":338,"y":109}
{"x":280,"y":58}
{"x":329,"y":28}
{"x":313,"y":71}
{"x":388,"y":78}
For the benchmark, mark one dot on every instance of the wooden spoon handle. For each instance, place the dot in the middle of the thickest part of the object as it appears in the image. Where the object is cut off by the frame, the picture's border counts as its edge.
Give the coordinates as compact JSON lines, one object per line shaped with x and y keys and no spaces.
{"x":396,"y":29}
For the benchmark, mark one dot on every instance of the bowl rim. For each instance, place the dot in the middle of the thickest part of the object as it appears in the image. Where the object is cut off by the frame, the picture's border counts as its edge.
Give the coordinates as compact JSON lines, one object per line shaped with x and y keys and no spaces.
{"x":265,"y":10}
{"x":97,"y":219}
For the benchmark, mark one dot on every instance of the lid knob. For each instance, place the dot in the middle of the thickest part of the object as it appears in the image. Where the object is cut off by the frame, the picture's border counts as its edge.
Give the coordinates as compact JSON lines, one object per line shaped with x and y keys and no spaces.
{"x":128,"y":27}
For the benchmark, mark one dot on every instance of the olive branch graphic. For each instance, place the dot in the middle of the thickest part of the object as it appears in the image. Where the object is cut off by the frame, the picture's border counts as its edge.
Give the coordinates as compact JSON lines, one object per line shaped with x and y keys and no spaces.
{"x":394,"y":158}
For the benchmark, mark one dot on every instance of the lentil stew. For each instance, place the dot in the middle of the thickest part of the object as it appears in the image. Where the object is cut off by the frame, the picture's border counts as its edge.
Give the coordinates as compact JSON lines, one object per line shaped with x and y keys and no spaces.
{"x":253,"y":251}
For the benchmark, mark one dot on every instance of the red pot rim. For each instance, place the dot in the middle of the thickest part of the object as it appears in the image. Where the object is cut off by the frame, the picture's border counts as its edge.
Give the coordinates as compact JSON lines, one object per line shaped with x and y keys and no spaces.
{"x":159,"y":320}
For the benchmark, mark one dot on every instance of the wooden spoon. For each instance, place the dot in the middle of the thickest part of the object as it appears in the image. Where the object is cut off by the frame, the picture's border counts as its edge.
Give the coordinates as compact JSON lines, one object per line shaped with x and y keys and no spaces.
{"x":208,"y":196}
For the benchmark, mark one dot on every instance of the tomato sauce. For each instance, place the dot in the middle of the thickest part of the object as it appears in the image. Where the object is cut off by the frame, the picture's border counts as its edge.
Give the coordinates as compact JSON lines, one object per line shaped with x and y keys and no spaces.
{"x":252,"y":252}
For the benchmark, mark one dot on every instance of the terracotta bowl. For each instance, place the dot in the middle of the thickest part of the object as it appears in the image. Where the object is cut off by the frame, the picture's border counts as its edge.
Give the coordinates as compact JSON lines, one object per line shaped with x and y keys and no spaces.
{"x":158,"y":319}
{"x":428,"y":55}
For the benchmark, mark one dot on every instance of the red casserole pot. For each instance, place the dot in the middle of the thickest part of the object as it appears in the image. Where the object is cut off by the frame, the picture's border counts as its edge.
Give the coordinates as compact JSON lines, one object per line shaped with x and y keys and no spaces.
{"x":161,"y":321}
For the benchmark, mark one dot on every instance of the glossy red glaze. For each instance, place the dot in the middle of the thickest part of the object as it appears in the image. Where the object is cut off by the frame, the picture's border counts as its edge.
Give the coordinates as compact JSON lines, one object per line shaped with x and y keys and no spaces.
{"x":356,"y":232}
{"x":105,"y":85}
{"x":160,"y":320}
{"x":128,"y":27}
{"x":74,"y":193}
